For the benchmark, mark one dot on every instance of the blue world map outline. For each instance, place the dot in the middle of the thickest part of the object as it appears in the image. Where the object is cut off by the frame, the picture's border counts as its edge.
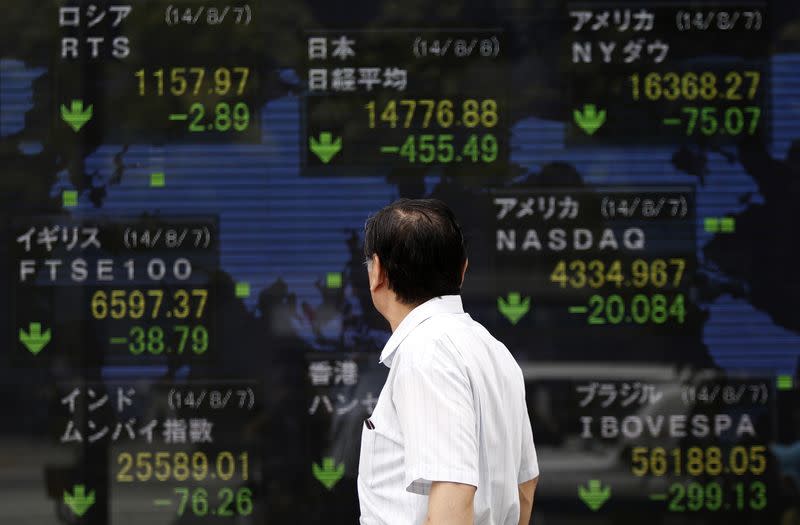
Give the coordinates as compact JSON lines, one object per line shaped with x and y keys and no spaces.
{"x":250,"y":186}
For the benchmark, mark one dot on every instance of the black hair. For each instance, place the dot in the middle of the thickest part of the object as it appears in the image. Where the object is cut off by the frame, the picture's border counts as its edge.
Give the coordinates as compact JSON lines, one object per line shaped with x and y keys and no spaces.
{"x":420,"y":246}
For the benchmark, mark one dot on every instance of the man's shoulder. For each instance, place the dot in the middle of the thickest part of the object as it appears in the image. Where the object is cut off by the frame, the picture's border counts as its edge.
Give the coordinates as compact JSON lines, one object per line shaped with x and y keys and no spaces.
{"x":442,"y":340}
{"x":431,"y":343}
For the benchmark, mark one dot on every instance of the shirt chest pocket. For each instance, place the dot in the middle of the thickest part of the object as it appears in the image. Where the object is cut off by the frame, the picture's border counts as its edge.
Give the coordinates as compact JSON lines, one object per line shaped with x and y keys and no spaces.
{"x":381,"y":460}
{"x":366,"y":458}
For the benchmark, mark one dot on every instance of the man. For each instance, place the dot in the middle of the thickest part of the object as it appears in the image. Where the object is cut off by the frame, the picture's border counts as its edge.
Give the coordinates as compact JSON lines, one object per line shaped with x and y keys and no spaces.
{"x":449,"y":441}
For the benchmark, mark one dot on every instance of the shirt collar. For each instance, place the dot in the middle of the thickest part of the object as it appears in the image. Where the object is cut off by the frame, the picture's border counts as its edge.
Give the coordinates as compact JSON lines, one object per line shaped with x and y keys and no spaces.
{"x":446,"y":304}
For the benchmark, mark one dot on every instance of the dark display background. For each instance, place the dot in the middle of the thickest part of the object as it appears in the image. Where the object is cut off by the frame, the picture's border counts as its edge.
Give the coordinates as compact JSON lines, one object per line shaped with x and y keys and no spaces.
{"x":283,"y":228}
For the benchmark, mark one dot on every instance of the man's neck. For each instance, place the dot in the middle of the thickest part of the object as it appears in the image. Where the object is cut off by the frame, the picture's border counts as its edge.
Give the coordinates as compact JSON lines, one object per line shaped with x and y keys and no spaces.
{"x":396,"y":312}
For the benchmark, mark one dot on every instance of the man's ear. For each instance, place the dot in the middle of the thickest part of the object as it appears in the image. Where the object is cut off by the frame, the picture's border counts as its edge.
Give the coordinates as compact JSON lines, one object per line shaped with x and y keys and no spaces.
{"x":464,"y":272}
{"x":377,"y":275}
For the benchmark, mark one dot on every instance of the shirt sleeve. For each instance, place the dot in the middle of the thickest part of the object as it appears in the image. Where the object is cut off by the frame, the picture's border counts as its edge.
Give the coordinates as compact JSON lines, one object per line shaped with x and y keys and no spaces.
{"x":529,"y":464}
{"x":434,"y":403}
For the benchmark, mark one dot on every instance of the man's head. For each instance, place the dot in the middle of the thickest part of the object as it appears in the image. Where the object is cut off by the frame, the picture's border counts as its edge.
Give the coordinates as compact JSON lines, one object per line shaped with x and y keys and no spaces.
{"x":415,"y":252}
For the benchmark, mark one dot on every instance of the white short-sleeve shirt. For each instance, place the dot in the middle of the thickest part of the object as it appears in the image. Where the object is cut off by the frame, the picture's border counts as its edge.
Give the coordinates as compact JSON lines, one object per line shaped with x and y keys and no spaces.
{"x":452,"y":409}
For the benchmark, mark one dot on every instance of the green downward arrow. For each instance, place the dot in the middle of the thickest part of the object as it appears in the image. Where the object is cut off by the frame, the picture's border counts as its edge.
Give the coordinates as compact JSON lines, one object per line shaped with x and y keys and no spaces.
{"x":329,"y":474}
{"x":589,"y":120}
{"x":325,"y":148}
{"x":34,"y":339}
{"x":76,"y":116}
{"x":595,"y":495}
{"x":514,"y":307}
{"x":79,"y":501}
